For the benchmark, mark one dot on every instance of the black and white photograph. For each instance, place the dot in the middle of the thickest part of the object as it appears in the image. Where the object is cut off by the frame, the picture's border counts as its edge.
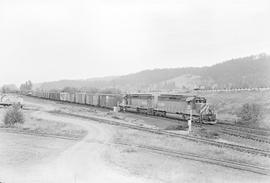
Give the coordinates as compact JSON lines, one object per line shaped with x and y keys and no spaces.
{"x":134,"y":91}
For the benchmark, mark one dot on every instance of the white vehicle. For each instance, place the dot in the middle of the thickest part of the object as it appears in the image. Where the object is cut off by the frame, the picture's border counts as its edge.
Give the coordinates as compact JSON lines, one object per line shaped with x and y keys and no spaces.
{"x":8,"y":100}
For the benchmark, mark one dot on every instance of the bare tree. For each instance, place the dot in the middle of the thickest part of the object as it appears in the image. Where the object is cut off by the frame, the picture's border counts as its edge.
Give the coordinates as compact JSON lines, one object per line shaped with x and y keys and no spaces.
{"x":26,"y":87}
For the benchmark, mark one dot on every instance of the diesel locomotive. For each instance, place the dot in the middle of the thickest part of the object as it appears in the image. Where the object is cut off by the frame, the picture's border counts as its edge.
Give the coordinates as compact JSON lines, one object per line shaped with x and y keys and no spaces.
{"x":179,"y":106}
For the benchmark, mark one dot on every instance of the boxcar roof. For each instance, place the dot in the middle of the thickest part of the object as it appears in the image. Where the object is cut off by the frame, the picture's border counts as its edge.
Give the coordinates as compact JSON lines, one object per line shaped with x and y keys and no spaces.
{"x":177,"y":96}
{"x":103,"y":94}
{"x":139,"y":94}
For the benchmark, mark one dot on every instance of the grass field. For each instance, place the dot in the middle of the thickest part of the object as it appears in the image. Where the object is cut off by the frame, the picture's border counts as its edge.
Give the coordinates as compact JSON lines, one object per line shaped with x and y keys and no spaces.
{"x":35,"y":125}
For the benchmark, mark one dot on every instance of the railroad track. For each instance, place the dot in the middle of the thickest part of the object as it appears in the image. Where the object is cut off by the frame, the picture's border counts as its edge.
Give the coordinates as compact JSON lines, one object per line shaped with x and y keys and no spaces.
{"x":258,"y":131}
{"x":200,"y":158}
{"x":167,"y":152}
{"x":240,"y":148}
{"x":25,"y":132}
{"x":251,"y":136}
{"x":237,"y":131}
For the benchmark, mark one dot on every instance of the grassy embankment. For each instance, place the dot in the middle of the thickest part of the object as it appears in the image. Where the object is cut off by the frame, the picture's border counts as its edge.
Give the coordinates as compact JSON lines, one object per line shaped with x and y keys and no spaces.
{"x":37,"y":126}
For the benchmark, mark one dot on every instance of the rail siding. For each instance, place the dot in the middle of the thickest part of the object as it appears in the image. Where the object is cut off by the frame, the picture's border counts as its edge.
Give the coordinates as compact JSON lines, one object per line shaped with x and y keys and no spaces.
{"x":235,"y":90}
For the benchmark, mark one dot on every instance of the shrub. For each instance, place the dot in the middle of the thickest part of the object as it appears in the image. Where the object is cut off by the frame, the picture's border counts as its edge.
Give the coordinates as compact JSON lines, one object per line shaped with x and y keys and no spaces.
{"x":250,"y":113}
{"x":207,"y":133}
{"x":177,"y":127}
{"x":14,"y":115}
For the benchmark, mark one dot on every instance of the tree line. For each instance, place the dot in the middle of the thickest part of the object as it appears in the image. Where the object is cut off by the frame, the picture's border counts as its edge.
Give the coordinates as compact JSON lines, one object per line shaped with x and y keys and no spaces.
{"x":11,"y":88}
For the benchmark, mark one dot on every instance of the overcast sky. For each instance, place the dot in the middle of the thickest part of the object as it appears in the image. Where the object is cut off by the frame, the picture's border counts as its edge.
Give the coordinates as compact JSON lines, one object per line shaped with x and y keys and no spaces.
{"x":76,"y":39}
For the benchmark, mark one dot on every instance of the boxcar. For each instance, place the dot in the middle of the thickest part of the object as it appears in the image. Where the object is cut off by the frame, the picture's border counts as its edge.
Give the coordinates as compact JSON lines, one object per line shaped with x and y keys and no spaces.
{"x":71,"y":98}
{"x":109,"y":100}
{"x":92,"y":99}
{"x":64,"y":96}
{"x":50,"y":95}
{"x":95,"y":100}
{"x":36,"y":93}
{"x":80,"y":98}
{"x":44,"y":95}
{"x":102,"y":100}
{"x":54,"y":95}
{"x":113,"y":100}
{"x":40,"y":94}
{"x":89,"y":99}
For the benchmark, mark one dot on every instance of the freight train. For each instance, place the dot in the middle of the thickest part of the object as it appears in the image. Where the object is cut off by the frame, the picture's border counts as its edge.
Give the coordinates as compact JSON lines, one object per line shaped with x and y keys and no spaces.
{"x":179,"y":106}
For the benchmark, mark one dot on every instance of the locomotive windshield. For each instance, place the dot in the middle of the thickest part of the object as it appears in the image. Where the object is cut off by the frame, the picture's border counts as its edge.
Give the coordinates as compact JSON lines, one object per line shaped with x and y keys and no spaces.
{"x":200,"y":101}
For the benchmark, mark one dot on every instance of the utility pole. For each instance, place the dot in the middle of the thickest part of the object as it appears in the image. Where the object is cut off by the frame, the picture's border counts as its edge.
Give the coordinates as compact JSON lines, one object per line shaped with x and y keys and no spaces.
{"x":190,"y":119}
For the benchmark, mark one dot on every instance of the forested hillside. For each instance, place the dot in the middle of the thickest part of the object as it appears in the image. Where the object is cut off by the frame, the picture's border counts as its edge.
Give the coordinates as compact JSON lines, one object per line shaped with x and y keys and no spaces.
{"x":246,"y":72}
{"x":253,"y":71}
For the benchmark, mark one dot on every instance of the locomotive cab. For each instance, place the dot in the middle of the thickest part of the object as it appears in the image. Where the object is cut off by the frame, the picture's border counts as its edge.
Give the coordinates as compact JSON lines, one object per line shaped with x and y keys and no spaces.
{"x":207,"y":114}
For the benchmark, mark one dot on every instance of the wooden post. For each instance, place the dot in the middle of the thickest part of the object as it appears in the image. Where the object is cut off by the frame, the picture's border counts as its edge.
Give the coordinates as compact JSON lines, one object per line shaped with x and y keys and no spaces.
{"x":190,"y":120}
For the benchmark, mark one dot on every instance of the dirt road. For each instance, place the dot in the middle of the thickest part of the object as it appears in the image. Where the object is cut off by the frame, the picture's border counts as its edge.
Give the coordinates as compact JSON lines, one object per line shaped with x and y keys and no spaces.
{"x":83,"y":162}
